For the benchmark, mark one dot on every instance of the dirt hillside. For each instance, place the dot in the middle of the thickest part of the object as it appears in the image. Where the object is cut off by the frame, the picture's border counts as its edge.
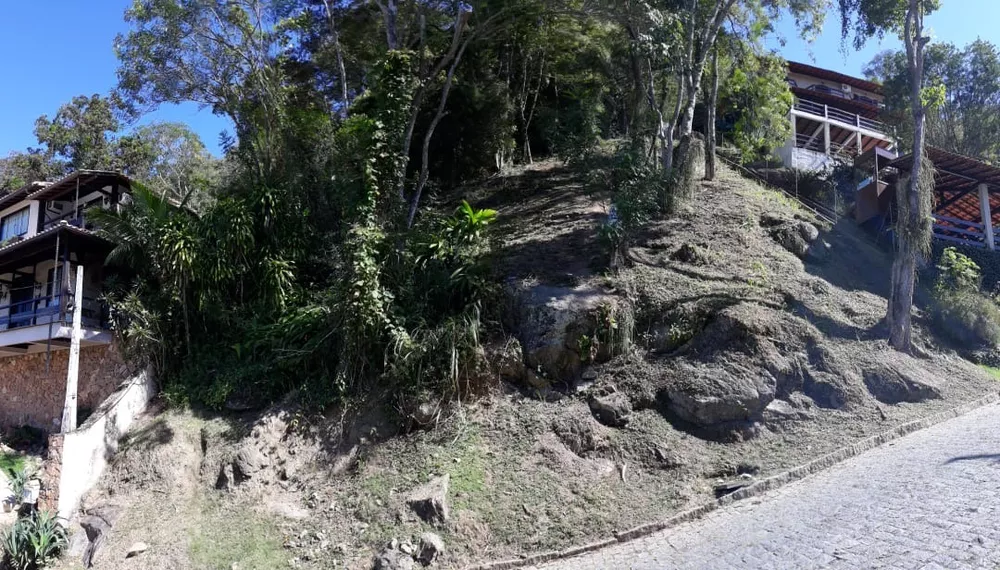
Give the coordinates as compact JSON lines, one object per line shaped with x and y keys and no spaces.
{"x":743,"y":338}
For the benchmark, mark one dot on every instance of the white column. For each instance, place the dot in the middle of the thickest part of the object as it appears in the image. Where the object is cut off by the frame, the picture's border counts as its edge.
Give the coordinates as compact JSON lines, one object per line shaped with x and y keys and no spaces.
{"x":861,"y":145}
{"x":826,"y":137}
{"x":987,"y":213}
{"x":73,"y":373}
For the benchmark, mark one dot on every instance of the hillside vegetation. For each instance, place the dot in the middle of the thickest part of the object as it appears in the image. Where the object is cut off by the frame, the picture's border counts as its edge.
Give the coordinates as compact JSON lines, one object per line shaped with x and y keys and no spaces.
{"x":741,"y":358}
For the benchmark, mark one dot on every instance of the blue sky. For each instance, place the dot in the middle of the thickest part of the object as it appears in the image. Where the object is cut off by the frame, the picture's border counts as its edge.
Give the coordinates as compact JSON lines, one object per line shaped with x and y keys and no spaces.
{"x":56,"y":49}
{"x":959,"y":22}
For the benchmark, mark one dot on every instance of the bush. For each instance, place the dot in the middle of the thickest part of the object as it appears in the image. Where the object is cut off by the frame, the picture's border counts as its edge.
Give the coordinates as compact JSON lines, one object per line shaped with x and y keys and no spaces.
{"x":968,"y":317}
{"x":634,"y":184}
{"x":961,"y":311}
{"x":33,"y":541}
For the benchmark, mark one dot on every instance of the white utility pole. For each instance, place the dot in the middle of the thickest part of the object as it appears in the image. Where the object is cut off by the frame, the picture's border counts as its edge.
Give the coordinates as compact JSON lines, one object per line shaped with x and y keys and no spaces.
{"x":73,"y":374}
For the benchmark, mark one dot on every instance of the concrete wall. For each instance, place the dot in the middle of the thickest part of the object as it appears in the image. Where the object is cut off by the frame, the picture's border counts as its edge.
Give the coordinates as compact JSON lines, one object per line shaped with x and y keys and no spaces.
{"x":30,"y":396}
{"x":803,"y":159}
{"x":84,"y":453}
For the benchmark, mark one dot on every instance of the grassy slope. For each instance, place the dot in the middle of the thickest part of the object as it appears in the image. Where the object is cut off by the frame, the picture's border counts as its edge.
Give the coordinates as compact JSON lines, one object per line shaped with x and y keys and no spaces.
{"x":516,"y":487}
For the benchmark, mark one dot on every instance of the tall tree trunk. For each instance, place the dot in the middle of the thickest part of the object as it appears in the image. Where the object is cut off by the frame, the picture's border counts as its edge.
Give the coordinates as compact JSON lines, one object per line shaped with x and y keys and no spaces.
{"x":389,"y":15}
{"x":713,"y":99}
{"x":425,"y":159}
{"x":339,"y":53}
{"x":667,"y":152}
{"x":908,"y":249}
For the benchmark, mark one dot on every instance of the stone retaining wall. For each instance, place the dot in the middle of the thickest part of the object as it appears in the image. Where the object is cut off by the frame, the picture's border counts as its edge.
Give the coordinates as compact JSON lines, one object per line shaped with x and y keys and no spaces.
{"x":31,"y":396}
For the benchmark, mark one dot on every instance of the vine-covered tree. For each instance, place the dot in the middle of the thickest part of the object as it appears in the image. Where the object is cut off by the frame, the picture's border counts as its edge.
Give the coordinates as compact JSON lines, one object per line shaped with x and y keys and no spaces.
{"x":875,"y":18}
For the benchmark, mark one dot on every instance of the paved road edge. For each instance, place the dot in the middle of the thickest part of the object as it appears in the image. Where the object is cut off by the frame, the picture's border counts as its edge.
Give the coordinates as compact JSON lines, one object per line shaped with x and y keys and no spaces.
{"x":754,"y":490}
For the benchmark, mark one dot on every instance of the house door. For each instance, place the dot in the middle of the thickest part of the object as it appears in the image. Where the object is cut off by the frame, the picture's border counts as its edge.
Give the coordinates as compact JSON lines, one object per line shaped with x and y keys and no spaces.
{"x":21,"y":300}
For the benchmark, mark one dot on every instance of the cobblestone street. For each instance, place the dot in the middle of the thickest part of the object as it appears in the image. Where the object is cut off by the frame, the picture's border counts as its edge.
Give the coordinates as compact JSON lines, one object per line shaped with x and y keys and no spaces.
{"x":929,"y":500}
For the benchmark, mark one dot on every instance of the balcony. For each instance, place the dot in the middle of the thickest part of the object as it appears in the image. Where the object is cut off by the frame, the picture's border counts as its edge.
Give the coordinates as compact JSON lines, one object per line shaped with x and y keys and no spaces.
{"x":844,"y":118}
{"x":44,"y":322}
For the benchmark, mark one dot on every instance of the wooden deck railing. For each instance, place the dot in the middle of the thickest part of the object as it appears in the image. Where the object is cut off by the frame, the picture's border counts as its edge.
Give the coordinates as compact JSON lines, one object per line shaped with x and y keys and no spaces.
{"x":959,"y":231}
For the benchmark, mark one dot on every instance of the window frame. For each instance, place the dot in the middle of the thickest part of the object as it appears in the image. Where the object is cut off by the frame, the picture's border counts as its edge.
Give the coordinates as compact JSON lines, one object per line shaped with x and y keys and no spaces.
{"x":4,"y":220}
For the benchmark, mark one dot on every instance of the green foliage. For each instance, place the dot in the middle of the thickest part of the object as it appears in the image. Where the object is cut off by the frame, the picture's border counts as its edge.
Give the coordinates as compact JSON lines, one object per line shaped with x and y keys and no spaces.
{"x":960,"y":310}
{"x":962,"y":87}
{"x":19,"y":476}
{"x":757,"y":99}
{"x":33,"y":541}
{"x":636,"y":189}
{"x":957,"y":272}
{"x":968,"y":317}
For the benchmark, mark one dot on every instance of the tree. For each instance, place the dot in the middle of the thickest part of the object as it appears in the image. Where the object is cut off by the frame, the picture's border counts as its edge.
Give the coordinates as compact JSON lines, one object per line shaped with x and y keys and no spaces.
{"x":704,"y":20}
{"x":213,"y":52}
{"x":20,"y":168}
{"x":80,"y":134}
{"x":865,"y":19}
{"x":171,"y":159}
{"x":968,"y":119}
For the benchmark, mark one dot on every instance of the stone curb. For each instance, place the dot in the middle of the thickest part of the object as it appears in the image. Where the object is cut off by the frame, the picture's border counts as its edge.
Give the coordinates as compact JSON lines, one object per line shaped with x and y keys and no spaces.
{"x":754,"y":490}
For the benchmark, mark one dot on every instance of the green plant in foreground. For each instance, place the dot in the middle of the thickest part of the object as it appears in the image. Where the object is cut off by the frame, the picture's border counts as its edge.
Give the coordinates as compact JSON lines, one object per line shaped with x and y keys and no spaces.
{"x":19,"y":478}
{"x":33,"y":541}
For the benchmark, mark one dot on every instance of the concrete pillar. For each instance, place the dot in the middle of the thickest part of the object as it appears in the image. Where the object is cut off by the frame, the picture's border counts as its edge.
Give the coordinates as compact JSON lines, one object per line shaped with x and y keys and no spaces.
{"x":987,"y":214}
{"x":861,"y":143}
{"x":73,"y":372}
{"x":826,"y":138}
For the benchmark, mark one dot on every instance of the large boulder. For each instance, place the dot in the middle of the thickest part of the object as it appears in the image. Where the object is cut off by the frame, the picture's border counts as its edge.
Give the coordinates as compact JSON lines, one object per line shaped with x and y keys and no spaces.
{"x":551,"y":321}
{"x":715,"y":397}
{"x":430,"y":501}
{"x":898,"y":379}
{"x":248,"y":461}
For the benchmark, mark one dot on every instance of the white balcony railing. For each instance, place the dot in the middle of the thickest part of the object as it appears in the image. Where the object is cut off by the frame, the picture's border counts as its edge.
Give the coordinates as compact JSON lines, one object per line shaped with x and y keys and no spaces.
{"x":839,"y":115}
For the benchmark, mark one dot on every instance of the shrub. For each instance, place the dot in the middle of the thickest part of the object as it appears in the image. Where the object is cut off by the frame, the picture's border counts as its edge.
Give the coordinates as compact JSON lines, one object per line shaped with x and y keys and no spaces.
{"x":968,"y":317}
{"x":33,"y":541}
{"x":960,"y":310}
{"x":634,"y":184}
{"x":957,"y":272}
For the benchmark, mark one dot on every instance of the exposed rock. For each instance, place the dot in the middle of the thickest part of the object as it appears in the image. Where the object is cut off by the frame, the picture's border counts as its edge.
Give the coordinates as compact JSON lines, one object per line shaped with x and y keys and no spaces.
{"x":580,"y":435}
{"x":551,"y":321}
{"x":426,"y":414}
{"x":898,"y":379}
{"x":782,"y":411}
{"x":826,"y":390}
{"x":713,"y":397}
{"x":819,"y":252}
{"x":536,"y":381}
{"x":248,"y":461}
{"x":790,"y":238}
{"x":226,"y":480}
{"x":430,"y":501}
{"x":392,"y":559}
{"x":668,"y":459}
{"x":136,"y":549}
{"x":431,"y":546}
{"x":508,"y":360}
{"x":772,"y":219}
{"x":612,"y":409}
{"x":809,"y":232}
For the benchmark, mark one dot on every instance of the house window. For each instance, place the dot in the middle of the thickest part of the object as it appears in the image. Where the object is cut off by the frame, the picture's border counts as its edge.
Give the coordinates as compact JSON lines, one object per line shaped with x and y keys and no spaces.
{"x":14,"y":225}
